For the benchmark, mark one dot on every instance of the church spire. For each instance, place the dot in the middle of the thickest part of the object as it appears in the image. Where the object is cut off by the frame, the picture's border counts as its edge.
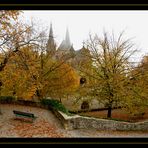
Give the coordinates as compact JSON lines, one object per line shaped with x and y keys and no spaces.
{"x":51,"y":31}
{"x":67,"y":38}
{"x":66,"y":44}
{"x":51,"y":46}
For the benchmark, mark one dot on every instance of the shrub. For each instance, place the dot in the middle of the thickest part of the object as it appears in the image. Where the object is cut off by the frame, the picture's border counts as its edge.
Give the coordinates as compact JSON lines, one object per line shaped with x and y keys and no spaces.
{"x":28,"y":103}
{"x":55,"y":104}
{"x":7,"y":99}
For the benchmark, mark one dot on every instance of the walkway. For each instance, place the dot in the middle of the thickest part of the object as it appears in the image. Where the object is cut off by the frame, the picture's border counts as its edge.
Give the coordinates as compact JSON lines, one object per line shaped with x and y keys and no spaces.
{"x":47,"y":125}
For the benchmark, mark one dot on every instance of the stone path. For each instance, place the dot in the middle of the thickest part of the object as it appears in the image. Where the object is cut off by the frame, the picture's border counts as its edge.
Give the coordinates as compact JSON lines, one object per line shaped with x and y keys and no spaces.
{"x":47,"y":125}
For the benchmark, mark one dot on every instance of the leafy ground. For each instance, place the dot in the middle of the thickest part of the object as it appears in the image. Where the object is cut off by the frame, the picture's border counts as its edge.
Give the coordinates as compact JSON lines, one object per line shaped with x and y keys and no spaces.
{"x":117,"y":114}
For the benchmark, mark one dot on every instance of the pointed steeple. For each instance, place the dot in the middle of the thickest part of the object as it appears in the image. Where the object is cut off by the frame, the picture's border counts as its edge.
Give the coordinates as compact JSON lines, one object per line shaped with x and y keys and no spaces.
{"x":66,"y":44}
{"x":67,"y":38}
{"x":51,"y":31}
{"x":51,"y":46}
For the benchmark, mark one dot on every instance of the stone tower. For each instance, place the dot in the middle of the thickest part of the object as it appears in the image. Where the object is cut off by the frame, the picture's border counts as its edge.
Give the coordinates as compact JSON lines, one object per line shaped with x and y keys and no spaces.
{"x":51,"y":46}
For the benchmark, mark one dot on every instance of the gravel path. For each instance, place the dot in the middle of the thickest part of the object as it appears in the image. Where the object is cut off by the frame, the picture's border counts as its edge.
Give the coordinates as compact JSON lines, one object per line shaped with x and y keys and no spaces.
{"x":47,"y":125}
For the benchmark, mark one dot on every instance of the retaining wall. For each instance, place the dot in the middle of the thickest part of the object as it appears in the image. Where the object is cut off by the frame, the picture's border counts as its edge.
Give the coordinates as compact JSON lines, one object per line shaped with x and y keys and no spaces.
{"x":80,"y":122}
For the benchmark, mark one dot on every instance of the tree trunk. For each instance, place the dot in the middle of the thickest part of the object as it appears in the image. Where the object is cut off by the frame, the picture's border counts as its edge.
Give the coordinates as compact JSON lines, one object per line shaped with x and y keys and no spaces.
{"x":38,"y":94}
{"x":109,"y":113}
{"x":0,"y":112}
{"x":60,"y":100}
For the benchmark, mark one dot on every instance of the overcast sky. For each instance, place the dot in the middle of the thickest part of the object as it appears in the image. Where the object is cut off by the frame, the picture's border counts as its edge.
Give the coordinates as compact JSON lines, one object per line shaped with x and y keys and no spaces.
{"x":82,"y":23}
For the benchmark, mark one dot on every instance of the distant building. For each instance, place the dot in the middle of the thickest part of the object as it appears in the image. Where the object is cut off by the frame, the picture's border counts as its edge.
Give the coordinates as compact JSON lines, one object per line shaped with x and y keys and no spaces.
{"x":78,"y":59}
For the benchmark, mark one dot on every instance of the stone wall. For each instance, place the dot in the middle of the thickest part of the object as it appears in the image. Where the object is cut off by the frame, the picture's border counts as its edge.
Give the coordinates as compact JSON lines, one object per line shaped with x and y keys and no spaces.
{"x":80,"y":122}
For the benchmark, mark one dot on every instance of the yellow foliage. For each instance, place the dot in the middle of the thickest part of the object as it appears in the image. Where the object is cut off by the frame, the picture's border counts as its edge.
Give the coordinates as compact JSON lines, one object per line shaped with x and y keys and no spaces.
{"x":6,"y":16}
{"x":24,"y":75}
{"x":62,"y":80}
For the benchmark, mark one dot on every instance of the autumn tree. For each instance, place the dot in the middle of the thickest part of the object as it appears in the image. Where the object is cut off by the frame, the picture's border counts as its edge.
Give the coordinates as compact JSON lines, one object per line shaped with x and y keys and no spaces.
{"x":41,"y":75}
{"x":110,"y":69}
{"x":13,"y":36}
{"x":16,"y":40}
{"x":61,"y":81}
{"x":5,"y":34}
{"x":137,"y":88}
{"x":19,"y":72}
{"x":6,"y":18}
{"x":24,"y":75}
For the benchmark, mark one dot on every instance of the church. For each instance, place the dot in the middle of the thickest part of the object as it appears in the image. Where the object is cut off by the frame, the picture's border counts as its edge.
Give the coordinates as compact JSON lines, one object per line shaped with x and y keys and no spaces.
{"x":79,"y":59}
{"x":65,"y":51}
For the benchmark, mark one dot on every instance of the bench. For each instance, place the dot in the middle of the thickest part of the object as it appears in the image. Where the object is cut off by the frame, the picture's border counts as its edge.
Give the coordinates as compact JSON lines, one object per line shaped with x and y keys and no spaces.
{"x":24,"y":116}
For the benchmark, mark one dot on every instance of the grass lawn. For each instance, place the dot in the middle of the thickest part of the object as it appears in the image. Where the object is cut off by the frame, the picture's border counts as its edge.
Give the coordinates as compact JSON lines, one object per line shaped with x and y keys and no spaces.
{"x":117,"y":114}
